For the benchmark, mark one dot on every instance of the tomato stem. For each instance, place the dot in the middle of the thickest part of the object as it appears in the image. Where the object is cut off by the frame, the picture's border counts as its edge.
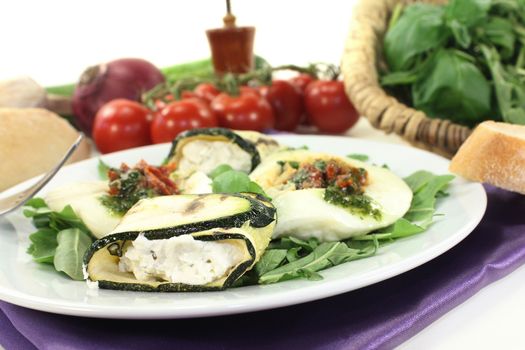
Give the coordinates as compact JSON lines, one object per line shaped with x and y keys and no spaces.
{"x":231,"y":83}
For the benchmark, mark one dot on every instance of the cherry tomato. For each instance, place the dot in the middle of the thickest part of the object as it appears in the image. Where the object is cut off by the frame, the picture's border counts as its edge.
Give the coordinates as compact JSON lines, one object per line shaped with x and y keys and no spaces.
{"x":248,"y":111}
{"x":301,"y":81}
{"x":286,"y":102}
{"x":179,"y":116}
{"x":187,"y":94}
{"x":121,"y":124}
{"x":161,"y":103}
{"x":328,"y":107}
{"x":206,"y":91}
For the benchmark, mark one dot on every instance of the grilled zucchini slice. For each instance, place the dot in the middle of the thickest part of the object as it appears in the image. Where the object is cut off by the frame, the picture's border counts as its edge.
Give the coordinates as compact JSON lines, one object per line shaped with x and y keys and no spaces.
{"x":205,"y":149}
{"x":183,"y":243}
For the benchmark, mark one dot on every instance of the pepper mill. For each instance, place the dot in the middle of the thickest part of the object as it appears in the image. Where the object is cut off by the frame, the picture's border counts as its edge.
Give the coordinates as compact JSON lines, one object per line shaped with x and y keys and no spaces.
{"x":231,"y":46}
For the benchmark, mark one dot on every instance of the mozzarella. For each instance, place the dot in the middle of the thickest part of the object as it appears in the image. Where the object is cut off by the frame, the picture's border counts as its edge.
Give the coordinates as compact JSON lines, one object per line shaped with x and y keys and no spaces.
{"x":179,"y":259}
{"x":205,"y":156}
{"x":304,"y":213}
{"x":197,"y":183}
{"x":84,"y":198}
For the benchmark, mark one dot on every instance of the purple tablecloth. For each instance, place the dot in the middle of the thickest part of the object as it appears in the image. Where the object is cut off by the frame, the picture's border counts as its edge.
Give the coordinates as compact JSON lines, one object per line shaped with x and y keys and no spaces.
{"x":380,"y":316}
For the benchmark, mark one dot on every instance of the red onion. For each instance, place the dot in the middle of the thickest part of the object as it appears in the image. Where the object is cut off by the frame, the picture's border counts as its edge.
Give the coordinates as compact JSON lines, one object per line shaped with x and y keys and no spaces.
{"x":124,"y":78}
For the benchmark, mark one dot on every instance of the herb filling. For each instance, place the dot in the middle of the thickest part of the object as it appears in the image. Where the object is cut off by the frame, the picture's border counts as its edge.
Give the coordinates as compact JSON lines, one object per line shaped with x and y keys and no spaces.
{"x":344,"y":184}
{"x":129,"y":185}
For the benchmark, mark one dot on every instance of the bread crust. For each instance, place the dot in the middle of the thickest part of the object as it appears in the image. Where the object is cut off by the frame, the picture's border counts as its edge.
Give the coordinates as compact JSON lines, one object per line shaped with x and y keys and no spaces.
{"x":495,"y":154}
{"x":32,"y":141}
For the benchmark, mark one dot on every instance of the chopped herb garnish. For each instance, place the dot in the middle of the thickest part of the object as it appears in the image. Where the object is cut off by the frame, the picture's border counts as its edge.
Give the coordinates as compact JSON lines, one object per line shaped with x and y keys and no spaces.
{"x":292,"y":163}
{"x":358,"y":156}
{"x":320,"y":165}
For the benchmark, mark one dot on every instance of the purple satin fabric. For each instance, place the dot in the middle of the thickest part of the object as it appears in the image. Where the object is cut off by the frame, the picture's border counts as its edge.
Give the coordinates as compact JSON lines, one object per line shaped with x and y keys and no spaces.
{"x":380,"y":316}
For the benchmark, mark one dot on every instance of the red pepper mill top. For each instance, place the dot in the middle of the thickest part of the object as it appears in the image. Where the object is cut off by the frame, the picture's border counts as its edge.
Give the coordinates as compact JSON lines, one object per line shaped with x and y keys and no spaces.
{"x":231,"y":46}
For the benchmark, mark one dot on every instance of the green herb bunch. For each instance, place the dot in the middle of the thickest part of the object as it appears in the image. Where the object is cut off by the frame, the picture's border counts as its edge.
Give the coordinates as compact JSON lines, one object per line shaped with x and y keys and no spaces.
{"x":464,"y":61}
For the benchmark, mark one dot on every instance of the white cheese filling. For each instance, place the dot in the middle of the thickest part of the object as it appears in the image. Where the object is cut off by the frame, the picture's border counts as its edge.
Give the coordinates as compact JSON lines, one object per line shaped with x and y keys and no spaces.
{"x":205,"y":156}
{"x":180,"y":259}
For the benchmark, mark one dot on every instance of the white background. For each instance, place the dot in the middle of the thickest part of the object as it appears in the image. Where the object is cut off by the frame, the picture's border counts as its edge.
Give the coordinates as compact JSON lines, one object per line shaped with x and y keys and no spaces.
{"x":54,"y":41}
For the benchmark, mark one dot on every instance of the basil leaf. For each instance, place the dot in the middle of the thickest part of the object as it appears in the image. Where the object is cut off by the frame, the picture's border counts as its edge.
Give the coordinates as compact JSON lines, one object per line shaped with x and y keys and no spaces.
{"x":72,"y":245}
{"x":419,"y":29}
{"x":453,"y":87}
{"x":219,"y":170}
{"x":232,"y":181}
{"x":499,"y":32}
{"x":467,"y":12}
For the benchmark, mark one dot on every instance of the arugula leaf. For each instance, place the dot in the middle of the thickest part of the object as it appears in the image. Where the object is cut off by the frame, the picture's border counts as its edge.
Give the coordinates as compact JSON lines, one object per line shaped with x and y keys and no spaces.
{"x":325,"y":255}
{"x":358,"y":156}
{"x":61,"y":238}
{"x":270,"y":260}
{"x":43,"y":245}
{"x":400,"y":229}
{"x":103,"y":169}
{"x":423,"y":203}
{"x":231,"y":181}
{"x":292,"y":242}
{"x":36,"y":203}
{"x":72,"y":245}
{"x":293,"y":254}
{"x":510,"y":91}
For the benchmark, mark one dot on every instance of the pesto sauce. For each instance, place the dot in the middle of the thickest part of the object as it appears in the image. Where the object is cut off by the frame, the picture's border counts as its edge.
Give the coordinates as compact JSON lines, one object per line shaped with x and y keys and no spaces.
{"x":357,"y":203}
{"x":299,"y":177}
{"x":130,"y":191}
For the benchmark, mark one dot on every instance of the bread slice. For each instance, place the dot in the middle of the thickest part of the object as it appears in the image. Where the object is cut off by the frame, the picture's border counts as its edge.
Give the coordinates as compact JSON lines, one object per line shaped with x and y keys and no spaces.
{"x":495,"y":154}
{"x":32,"y":141}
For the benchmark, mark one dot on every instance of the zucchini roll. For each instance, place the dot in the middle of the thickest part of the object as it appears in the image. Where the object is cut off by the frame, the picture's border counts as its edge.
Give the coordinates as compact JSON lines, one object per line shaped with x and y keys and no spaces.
{"x":330,"y":197}
{"x":204,"y":149}
{"x":182,"y":243}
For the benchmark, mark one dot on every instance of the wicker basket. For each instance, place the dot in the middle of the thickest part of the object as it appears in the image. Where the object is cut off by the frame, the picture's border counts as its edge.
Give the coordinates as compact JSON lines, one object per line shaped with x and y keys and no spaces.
{"x":362,"y":57}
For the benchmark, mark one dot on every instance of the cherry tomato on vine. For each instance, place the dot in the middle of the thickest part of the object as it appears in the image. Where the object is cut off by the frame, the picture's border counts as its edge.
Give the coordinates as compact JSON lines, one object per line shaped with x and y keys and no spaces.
{"x":161,"y":103}
{"x":286,"y":102}
{"x":328,"y":107}
{"x":187,"y":94}
{"x":179,"y":116}
{"x":121,"y":124}
{"x":206,"y":91}
{"x":248,"y":111}
{"x":301,"y":81}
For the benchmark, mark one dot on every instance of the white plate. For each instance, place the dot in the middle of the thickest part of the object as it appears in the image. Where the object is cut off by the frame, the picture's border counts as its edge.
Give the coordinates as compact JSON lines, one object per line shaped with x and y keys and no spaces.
{"x":38,"y":286}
